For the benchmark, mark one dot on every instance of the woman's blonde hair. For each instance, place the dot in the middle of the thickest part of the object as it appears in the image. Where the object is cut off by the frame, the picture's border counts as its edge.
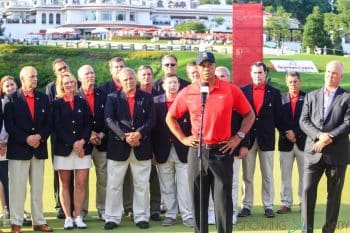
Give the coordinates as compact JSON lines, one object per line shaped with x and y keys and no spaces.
{"x":3,"y":80}
{"x":59,"y":84}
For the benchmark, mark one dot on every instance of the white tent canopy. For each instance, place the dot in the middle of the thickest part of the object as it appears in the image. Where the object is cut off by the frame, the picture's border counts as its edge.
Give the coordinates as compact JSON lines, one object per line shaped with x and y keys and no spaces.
{"x":99,"y":30}
{"x":61,"y":30}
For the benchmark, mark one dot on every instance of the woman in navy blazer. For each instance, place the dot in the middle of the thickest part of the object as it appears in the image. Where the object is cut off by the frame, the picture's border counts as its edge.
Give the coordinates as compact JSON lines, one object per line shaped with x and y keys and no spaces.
{"x":72,"y":127}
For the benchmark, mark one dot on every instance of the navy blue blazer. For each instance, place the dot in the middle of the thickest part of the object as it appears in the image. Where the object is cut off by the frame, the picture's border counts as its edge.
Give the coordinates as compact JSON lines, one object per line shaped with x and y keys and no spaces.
{"x":98,"y":118}
{"x":267,"y":120}
{"x":119,"y":122}
{"x":157,"y":85}
{"x":108,"y":87}
{"x":19,"y":125}
{"x":291,"y":123}
{"x":162,"y":138}
{"x":70,"y":125}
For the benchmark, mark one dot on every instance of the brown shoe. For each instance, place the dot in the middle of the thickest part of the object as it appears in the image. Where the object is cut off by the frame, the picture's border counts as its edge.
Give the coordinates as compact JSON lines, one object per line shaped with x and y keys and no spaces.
{"x":42,"y":228}
{"x":16,"y":229}
{"x":284,"y":209}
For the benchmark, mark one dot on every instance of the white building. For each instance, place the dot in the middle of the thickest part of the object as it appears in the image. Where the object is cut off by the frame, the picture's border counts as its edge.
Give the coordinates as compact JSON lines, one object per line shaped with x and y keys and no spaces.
{"x":24,"y":17}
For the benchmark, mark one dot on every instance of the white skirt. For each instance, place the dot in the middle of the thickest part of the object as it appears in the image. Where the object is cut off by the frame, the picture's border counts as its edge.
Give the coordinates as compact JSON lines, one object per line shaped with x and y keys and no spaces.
{"x":71,"y":162}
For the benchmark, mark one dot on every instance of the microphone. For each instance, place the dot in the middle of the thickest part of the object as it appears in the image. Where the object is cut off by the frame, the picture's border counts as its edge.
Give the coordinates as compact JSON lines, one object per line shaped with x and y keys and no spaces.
{"x":204,"y":92}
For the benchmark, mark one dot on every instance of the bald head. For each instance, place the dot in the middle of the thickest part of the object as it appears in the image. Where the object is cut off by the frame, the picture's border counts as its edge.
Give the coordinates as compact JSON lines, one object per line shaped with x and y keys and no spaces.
{"x":223,"y":73}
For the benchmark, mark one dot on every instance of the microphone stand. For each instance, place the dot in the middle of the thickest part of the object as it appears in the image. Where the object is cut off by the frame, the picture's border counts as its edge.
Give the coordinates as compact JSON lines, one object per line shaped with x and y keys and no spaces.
{"x":201,"y":178}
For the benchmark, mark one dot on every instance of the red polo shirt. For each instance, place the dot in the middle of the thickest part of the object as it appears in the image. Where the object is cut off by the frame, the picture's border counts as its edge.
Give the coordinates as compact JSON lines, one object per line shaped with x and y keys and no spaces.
{"x":293,"y":102}
{"x":223,"y":97}
{"x":258,"y":97}
{"x":117,"y":86}
{"x":131,"y":102}
{"x":70,"y":102}
{"x":91,"y":101}
{"x":30,"y":102}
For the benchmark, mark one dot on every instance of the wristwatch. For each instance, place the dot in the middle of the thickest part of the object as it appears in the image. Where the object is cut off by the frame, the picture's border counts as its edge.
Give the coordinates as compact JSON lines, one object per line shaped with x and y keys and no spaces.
{"x":240,"y":134}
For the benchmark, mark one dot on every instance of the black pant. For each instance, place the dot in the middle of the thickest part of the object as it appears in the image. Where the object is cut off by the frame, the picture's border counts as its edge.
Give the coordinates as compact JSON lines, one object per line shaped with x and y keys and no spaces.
{"x":217,"y":175}
{"x":335,"y":181}
{"x":4,"y":179}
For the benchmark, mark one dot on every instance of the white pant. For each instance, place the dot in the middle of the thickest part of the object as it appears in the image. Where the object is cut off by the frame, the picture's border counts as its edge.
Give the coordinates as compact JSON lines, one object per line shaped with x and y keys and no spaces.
{"x":235,"y":185}
{"x":19,"y":172}
{"x":114,"y":196}
{"x":266,"y":166}
{"x":286,"y":165}
{"x":173,"y":180}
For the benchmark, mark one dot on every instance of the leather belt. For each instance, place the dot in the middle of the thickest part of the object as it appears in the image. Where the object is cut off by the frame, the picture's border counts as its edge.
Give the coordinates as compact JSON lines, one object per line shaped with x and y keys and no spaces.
{"x":212,"y":146}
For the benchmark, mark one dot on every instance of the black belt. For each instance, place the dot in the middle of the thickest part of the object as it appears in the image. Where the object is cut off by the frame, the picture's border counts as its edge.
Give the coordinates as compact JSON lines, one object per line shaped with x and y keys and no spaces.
{"x":212,"y":146}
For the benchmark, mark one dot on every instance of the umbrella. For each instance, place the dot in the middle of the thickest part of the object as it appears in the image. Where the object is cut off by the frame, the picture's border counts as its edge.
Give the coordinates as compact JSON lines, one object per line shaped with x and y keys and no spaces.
{"x":99,"y":30}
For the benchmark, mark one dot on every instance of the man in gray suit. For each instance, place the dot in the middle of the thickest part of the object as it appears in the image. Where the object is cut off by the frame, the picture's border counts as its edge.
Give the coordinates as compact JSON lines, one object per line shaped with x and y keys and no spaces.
{"x":325,"y":119}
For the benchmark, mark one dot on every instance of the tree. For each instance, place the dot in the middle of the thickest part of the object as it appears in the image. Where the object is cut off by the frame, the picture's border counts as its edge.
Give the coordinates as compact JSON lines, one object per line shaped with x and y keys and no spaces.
{"x":195,"y":26}
{"x":277,"y":24}
{"x":314,"y":32}
{"x":300,"y":9}
{"x":343,"y":7}
{"x":219,"y":20}
{"x":332,"y":24}
{"x":202,"y":2}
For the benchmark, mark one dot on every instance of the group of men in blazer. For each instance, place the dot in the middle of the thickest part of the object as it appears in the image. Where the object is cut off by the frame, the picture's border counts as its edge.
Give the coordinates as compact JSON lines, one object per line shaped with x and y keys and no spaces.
{"x":313,"y":129}
{"x":321,"y":117}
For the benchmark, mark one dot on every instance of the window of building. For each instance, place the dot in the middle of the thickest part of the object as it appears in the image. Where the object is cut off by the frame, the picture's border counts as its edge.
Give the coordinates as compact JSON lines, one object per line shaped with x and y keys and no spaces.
{"x":50,"y":18}
{"x":58,"y":18}
{"x":120,"y":16}
{"x":43,"y":18}
{"x":89,"y":1}
{"x":106,"y":16}
{"x":90,"y":16}
{"x":132,"y":17}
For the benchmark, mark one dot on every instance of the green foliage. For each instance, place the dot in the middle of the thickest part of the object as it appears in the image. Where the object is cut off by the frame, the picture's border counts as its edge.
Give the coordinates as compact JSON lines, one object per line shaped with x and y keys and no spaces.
{"x":209,"y":2}
{"x":314,"y":32}
{"x":300,"y":9}
{"x":278,"y":24}
{"x":219,"y":20}
{"x":195,"y":26}
{"x":332,"y":23}
{"x":343,"y":16}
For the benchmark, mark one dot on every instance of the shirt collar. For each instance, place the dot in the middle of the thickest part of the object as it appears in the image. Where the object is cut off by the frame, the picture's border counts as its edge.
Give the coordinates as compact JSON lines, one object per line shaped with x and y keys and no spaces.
{"x":29,"y":94}
{"x":329,"y":93}
{"x":260,"y":87}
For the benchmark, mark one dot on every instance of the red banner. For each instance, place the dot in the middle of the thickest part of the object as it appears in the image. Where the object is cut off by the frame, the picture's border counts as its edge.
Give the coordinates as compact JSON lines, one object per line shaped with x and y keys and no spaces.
{"x":247,"y":34}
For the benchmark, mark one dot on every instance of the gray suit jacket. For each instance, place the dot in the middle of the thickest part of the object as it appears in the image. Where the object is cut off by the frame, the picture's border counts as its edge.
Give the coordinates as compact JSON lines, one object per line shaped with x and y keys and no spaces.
{"x":337,"y":123}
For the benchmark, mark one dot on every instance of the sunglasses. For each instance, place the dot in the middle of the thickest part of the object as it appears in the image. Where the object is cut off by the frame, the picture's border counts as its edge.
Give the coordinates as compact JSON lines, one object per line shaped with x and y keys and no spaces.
{"x":169,"y":64}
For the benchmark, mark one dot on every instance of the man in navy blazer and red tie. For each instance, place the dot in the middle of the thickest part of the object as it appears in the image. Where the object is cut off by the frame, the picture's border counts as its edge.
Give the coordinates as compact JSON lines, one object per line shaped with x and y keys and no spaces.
{"x":28,"y":123}
{"x":130,"y":117}
{"x":325,"y":119}
{"x":291,"y":143}
{"x":266,"y":102}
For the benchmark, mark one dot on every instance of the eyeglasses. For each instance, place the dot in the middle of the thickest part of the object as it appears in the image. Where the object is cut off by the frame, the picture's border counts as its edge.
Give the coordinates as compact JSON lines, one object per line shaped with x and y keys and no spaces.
{"x":169,"y":64}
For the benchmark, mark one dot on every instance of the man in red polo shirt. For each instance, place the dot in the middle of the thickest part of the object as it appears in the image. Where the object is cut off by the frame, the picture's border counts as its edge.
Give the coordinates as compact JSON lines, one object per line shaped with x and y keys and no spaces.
{"x":218,"y":143}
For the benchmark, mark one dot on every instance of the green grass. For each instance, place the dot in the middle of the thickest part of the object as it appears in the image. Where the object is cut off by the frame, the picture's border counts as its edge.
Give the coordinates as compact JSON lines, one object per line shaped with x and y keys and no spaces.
{"x":14,"y":57}
{"x":256,"y":222}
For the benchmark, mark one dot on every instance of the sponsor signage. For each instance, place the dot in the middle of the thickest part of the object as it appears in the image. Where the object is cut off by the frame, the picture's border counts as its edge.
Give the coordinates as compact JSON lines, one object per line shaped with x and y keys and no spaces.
{"x":293,"y":65}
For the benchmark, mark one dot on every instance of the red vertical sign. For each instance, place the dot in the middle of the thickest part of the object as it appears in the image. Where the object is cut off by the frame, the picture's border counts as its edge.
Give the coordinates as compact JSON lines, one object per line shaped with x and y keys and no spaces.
{"x":247,"y":34}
